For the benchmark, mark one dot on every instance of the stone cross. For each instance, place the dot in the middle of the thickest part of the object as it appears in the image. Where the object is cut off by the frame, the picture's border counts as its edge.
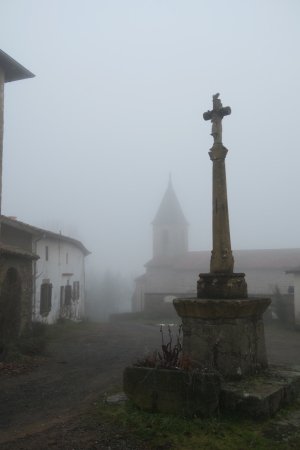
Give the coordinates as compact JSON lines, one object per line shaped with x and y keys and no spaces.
{"x":215,"y":116}
{"x":221,"y":257}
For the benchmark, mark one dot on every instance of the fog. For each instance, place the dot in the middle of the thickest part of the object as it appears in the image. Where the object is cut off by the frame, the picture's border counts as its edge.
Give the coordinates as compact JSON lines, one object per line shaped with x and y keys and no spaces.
{"x":117,"y":105}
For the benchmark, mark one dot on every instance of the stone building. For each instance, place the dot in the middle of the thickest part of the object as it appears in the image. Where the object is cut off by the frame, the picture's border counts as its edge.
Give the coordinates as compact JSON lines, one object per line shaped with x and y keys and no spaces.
{"x":15,"y":262}
{"x":173,"y":270}
{"x":16,"y":290}
{"x":42,"y":275}
{"x":57,"y":273}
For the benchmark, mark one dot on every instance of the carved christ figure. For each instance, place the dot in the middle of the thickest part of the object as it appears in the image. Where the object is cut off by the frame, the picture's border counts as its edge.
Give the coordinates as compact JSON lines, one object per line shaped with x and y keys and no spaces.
{"x":216,"y":120}
{"x":215,"y":116}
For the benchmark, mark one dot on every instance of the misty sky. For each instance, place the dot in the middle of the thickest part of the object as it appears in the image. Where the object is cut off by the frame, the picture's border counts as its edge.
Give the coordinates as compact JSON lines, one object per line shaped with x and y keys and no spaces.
{"x":117,"y":104}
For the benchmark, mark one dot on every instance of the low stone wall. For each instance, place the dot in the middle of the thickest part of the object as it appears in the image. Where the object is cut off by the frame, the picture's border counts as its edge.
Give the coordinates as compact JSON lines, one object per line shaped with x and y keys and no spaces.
{"x":173,"y":391}
{"x":204,"y":393}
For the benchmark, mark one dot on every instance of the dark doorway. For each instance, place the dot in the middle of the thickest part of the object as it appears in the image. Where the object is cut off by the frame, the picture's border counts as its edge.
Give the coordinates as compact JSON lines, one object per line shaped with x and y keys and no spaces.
{"x":10,"y":306}
{"x":45,"y":299}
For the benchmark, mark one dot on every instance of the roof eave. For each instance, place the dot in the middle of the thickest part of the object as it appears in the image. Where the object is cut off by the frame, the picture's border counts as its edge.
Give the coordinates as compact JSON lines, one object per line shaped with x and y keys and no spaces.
{"x":13,"y":71}
{"x":40,"y":232}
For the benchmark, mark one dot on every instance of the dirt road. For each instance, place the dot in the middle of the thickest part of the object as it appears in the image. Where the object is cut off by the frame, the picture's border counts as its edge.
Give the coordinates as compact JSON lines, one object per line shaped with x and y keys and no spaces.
{"x":82,"y":363}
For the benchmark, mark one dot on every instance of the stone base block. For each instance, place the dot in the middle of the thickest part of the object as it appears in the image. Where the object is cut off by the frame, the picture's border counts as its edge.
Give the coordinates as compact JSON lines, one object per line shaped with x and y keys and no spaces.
{"x":224,"y":335}
{"x":261,"y":396}
{"x":173,"y":391}
{"x":199,"y":394}
{"x":222,"y":285}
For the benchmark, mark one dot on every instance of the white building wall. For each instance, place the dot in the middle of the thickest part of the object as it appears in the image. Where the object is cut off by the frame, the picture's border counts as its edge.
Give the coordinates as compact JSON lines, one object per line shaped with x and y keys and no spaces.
{"x":61,"y":263}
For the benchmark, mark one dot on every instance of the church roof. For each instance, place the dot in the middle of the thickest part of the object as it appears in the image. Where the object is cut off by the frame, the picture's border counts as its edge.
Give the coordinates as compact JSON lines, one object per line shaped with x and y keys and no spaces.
{"x":258,"y":259}
{"x":169,"y":211}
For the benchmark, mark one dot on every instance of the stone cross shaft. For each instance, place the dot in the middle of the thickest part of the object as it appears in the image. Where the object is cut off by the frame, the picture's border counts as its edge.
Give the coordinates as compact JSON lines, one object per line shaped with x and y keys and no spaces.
{"x":221,"y":258}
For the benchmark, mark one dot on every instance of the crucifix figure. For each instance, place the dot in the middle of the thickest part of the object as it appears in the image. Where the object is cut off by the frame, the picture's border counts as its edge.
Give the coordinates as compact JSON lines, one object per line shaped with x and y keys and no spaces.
{"x":215,"y":116}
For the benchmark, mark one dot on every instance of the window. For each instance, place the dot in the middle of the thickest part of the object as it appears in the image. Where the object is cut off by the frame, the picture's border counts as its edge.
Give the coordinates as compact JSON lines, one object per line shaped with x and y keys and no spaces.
{"x":68,"y":294}
{"x":62,"y":296}
{"x":45,"y":298}
{"x":67,"y":258}
{"x":47,"y":253}
{"x":76,"y":290}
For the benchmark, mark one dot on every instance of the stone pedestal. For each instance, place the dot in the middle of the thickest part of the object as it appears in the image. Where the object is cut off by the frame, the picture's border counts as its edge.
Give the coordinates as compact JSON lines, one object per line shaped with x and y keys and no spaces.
{"x":222,"y":285}
{"x":224,"y":335}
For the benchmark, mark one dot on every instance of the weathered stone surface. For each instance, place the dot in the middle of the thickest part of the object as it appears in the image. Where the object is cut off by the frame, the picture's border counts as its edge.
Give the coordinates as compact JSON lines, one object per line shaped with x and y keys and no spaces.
{"x":263,"y":395}
{"x":221,"y":256}
{"x":222,"y":285}
{"x":173,"y":391}
{"x":16,"y":295}
{"x":219,"y":308}
{"x":203,"y":394}
{"x":224,"y":335}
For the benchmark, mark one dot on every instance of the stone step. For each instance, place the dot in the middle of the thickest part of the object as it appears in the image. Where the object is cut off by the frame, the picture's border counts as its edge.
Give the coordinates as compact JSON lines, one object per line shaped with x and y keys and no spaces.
{"x":261,"y":396}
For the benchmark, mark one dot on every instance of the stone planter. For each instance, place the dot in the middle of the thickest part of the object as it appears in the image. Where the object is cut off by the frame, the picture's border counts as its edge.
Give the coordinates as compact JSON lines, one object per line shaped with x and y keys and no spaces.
{"x":175,"y":392}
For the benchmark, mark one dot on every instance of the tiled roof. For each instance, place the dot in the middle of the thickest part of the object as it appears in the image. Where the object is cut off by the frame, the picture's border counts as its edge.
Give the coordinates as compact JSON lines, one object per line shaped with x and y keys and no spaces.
{"x":42,"y":233}
{"x":279,"y":259}
{"x":293,"y":270}
{"x":10,"y":250}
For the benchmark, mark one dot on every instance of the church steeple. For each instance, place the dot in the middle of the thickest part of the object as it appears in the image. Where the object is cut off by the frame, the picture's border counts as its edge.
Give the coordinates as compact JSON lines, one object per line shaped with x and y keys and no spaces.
{"x":170,"y":227}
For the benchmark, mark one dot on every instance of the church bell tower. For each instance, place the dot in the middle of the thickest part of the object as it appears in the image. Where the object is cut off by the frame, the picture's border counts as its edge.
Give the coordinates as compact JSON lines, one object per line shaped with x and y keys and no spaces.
{"x":170,"y":227}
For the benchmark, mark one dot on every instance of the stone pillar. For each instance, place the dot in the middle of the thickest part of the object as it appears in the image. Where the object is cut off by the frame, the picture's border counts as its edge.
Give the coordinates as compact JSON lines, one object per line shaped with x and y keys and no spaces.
{"x":221,"y":256}
{"x":221,"y":281}
{"x":223,"y":329}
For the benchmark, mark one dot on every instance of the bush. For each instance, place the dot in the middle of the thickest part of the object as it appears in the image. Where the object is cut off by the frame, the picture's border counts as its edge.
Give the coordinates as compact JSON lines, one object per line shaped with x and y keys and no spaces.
{"x":31,"y":343}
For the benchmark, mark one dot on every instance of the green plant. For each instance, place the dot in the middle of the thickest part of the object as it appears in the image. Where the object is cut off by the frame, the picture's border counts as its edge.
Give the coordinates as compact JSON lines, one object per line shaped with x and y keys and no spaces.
{"x":170,"y":356}
{"x":34,"y":340}
{"x":178,"y":433}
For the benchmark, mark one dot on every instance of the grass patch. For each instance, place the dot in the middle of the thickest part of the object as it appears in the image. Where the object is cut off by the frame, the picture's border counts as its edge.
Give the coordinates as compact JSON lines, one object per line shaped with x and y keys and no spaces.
{"x":31,"y":343}
{"x":161,"y":431}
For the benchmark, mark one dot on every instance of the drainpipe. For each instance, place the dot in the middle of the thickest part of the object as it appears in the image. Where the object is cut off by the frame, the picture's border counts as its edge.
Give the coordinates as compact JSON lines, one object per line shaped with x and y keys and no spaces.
{"x":35,"y":276}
